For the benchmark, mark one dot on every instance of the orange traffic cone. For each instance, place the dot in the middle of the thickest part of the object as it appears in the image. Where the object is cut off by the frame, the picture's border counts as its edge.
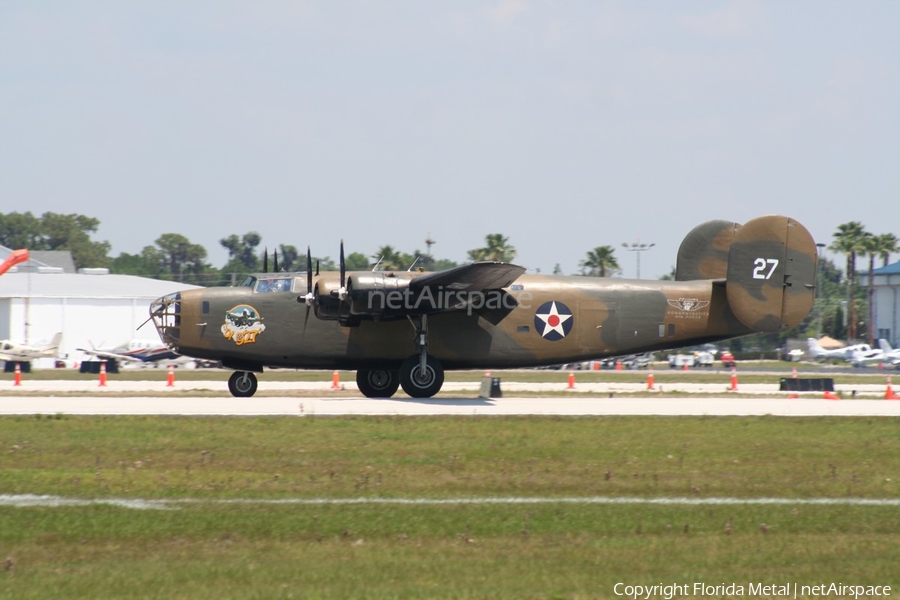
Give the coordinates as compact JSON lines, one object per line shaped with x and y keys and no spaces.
{"x":793,"y":372}
{"x":687,"y":367}
{"x":487,"y":373}
{"x":102,"y":374}
{"x":830,"y":396}
{"x":18,"y":376}
{"x":170,"y":378}
{"x":618,"y":365}
{"x":889,"y":393}
{"x":793,"y":396}
{"x":733,"y":387}
{"x":571,"y":380}
{"x":335,"y":380}
{"x":650,"y":379}
{"x":596,"y":365}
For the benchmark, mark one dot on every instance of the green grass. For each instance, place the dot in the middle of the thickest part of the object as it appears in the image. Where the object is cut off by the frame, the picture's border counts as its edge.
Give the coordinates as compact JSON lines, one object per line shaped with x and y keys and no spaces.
{"x":214,"y":550}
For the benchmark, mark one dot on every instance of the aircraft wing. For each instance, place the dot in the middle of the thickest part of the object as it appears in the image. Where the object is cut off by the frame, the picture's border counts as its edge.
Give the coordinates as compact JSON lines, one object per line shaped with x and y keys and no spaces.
{"x":475,"y":277}
{"x":112,"y":355}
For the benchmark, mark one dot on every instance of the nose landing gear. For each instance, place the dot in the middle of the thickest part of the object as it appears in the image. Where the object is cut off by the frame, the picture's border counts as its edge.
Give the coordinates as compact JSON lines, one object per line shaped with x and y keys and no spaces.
{"x":242,"y":384}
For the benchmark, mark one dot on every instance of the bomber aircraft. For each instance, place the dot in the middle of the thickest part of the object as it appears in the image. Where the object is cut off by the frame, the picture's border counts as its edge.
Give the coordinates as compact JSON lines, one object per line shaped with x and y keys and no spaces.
{"x":404,"y":328}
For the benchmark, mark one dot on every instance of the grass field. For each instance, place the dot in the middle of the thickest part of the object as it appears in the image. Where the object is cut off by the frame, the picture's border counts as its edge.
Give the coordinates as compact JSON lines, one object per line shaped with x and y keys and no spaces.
{"x":210,"y":548}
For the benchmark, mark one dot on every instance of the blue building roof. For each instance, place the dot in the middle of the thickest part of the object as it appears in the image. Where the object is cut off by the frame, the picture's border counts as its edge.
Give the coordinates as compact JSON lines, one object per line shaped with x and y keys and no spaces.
{"x":891,"y":269}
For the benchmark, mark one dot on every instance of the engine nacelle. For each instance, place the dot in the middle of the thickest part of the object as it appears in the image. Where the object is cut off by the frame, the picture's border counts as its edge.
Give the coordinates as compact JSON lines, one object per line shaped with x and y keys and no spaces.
{"x":379,"y":294}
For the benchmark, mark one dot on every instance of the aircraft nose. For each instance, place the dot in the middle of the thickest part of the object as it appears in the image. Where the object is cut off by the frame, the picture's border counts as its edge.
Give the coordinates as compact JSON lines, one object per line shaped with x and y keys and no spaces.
{"x":166,"y":315}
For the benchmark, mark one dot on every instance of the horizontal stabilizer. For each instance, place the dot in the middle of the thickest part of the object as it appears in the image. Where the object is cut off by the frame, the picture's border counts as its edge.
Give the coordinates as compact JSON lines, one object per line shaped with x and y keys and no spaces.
{"x":703,"y":253}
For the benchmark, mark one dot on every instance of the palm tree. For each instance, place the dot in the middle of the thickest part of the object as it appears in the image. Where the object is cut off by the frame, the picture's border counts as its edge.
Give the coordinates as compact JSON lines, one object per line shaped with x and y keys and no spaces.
{"x":848,"y":240}
{"x":887,"y":244}
{"x":600,"y":261}
{"x":391,"y":259}
{"x":498,"y":249}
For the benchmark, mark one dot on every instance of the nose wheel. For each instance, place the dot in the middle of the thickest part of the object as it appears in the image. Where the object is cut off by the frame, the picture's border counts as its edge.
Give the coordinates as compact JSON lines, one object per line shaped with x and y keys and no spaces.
{"x":242,"y":384}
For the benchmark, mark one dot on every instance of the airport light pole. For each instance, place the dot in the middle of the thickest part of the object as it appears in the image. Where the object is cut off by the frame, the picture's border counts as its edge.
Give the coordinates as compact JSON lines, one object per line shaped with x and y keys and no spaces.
{"x":637,"y":247}
{"x":819,"y":248}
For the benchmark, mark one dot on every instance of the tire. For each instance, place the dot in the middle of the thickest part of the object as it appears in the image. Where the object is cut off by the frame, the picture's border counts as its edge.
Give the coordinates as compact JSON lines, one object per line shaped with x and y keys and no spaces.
{"x":377,"y":383}
{"x":242,"y":384}
{"x":426,"y":387}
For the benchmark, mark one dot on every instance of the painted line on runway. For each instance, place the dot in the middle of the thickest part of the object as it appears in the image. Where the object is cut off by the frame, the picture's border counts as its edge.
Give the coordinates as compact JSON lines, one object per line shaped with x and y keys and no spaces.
{"x":36,"y":500}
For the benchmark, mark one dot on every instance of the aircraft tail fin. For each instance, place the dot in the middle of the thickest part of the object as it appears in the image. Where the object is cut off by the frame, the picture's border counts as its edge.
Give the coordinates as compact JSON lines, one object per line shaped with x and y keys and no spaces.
{"x":885,"y":345}
{"x":54,"y":343}
{"x":771,"y":275}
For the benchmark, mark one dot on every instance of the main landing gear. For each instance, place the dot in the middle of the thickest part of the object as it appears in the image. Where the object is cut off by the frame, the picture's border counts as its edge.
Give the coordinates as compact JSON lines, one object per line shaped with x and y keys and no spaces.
{"x":421,"y":376}
{"x":242,"y":384}
{"x":377,"y":383}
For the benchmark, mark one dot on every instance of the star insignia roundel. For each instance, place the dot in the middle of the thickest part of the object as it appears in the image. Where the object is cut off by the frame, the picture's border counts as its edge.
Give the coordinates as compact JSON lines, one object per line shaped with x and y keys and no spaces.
{"x":553,"y":320}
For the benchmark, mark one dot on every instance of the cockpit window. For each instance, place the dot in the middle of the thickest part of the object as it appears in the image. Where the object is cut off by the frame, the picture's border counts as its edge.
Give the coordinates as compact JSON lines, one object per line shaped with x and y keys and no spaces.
{"x":273,"y":285}
{"x":248,"y":282}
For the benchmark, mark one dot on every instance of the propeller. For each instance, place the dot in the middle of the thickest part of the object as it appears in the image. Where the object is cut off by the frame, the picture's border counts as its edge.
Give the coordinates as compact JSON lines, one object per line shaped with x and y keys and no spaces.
{"x":342,"y":292}
{"x":309,"y":297}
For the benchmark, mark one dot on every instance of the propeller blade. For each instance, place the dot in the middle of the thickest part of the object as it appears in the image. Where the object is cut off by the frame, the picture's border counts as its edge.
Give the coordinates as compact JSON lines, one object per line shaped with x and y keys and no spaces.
{"x":266,"y":259}
{"x":342,"y":292}
{"x":309,"y":274}
{"x":309,"y":297}
{"x":343,"y":267}
{"x":275,"y":256}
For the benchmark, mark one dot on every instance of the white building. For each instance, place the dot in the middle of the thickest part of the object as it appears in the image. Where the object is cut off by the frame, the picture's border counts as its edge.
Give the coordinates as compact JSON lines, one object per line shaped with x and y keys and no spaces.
{"x":90,"y":307}
{"x":886,"y":285}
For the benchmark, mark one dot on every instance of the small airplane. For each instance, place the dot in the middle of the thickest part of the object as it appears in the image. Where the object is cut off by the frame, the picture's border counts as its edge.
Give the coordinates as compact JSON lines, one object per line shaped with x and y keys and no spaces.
{"x":137,"y":351}
{"x":405,"y":328}
{"x":883,"y":354}
{"x":846,"y":353}
{"x":14,"y":352}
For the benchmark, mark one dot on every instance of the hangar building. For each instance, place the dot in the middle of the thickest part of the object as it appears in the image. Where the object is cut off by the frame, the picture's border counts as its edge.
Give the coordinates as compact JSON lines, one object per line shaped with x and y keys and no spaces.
{"x":886,"y":285}
{"x":91,"y":306}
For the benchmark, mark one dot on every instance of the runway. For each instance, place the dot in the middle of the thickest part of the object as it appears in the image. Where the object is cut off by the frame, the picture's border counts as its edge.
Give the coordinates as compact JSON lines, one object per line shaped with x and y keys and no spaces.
{"x":604,"y":399}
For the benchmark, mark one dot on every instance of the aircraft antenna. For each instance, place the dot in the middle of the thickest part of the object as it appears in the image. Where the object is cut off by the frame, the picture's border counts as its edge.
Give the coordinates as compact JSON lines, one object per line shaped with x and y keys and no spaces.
{"x":375,"y":266}
{"x":413,"y":264}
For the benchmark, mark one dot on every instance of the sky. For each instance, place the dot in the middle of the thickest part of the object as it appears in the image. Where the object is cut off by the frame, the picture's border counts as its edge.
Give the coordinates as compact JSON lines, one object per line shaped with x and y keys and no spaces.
{"x":562,"y":125}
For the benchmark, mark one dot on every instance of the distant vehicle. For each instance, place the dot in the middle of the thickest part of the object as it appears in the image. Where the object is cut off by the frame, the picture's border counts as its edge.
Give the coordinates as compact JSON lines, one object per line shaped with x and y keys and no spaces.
{"x":680,"y":361}
{"x":728,"y":360}
{"x":13,"y":352}
{"x":704,"y":359}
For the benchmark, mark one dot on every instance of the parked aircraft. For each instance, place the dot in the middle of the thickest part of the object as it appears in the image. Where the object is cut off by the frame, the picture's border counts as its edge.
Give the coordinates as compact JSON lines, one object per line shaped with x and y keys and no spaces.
{"x":847,"y":353}
{"x":139,"y":351}
{"x":14,"y":352}
{"x":403,"y":328}
{"x":883,"y":354}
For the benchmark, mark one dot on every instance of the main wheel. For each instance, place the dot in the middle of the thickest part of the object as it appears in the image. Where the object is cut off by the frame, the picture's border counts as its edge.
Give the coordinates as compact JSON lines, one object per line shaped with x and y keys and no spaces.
{"x":242,"y":384}
{"x":377,"y":383}
{"x":417,"y":383}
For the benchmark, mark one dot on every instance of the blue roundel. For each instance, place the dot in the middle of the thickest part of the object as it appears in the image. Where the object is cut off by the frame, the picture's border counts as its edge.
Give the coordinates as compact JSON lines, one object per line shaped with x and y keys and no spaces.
{"x":553,"y":320}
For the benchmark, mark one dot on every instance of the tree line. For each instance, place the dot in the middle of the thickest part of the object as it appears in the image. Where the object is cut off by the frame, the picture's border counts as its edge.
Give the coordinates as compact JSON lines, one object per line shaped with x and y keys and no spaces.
{"x":174,"y":257}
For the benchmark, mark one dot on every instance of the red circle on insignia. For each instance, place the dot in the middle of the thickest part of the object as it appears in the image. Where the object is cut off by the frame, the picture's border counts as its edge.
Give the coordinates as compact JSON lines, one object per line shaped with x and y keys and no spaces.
{"x":553,"y":321}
